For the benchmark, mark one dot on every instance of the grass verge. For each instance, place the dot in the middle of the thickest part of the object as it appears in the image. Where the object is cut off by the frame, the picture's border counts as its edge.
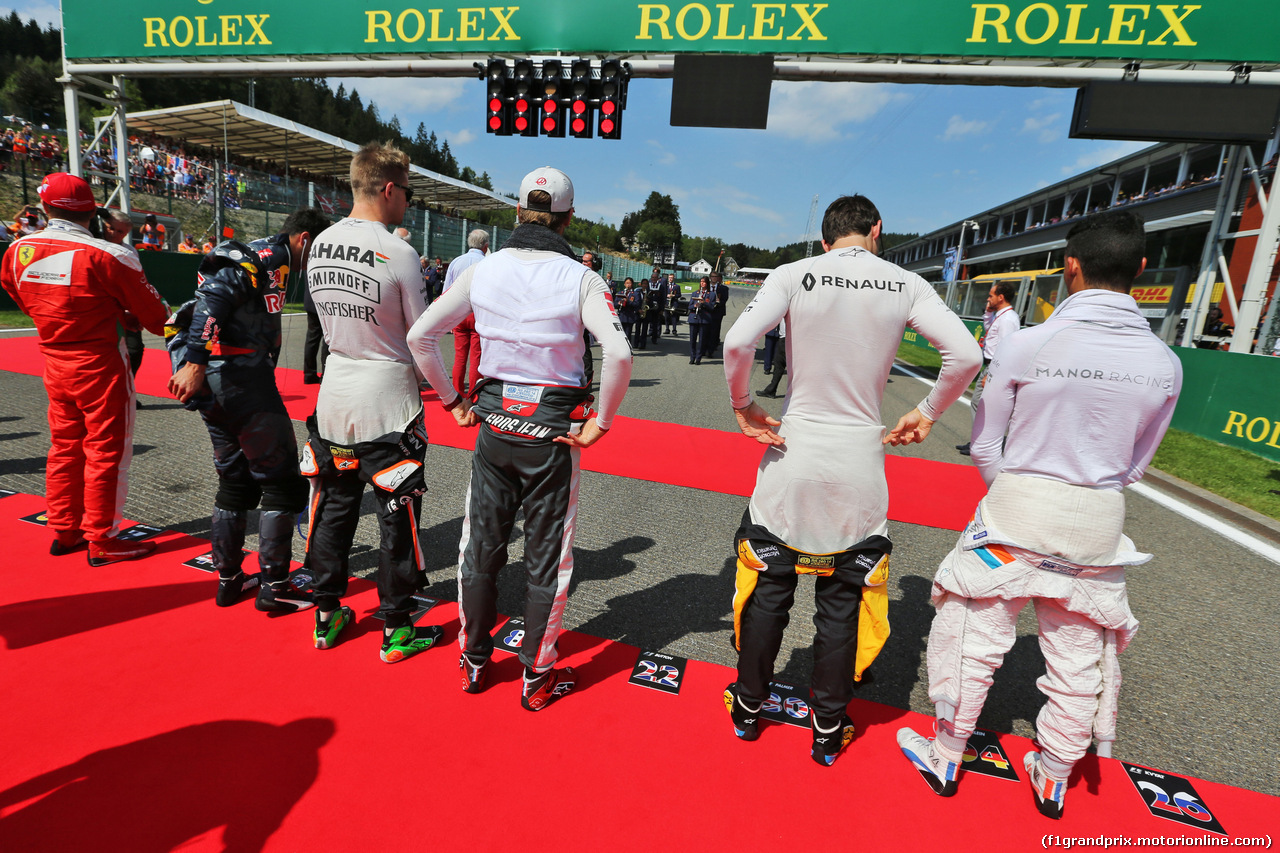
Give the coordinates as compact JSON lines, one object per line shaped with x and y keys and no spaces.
{"x":930,"y":359}
{"x":1237,"y":475}
{"x":15,"y":319}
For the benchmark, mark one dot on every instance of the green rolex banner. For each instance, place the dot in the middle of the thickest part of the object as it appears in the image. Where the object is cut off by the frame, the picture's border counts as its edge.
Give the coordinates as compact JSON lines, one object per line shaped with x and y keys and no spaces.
{"x":1211,"y":31}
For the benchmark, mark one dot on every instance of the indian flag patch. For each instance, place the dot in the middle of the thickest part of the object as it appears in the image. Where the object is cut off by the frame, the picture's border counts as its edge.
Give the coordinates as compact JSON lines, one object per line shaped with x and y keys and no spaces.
{"x":382,"y":259}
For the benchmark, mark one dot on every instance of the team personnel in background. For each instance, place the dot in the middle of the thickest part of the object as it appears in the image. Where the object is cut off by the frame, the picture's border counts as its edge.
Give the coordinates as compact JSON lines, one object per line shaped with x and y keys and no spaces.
{"x":532,"y":301}
{"x":701,"y":303}
{"x":717,"y":315}
{"x":225,"y":344}
{"x":820,"y":501}
{"x":466,"y":343}
{"x":77,"y":289}
{"x":1049,"y":530}
{"x":778,"y":368}
{"x":629,"y":301}
{"x":673,"y":299}
{"x":1003,"y":323}
{"x":115,"y":229}
{"x":431,"y":274}
{"x":368,"y":425}
{"x":188,"y":246}
{"x":656,"y":305}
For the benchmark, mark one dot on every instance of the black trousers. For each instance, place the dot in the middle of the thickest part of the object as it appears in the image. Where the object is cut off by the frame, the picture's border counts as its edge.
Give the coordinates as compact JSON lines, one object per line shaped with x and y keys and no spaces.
{"x":398,"y":484}
{"x":655,"y":323}
{"x":254,"y":448}
{"x":697,"y":340}
{"x":134,"y":346}
{"x":542,"y":479}
{"x":835,"y":643}
{"x":315,"y":351}
{"x":717,"y":320}
{"x":779,"y":367}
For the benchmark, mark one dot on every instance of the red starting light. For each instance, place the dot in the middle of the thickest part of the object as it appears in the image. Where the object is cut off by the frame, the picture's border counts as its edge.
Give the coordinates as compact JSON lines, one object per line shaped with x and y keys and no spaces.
{"x":606,"y":126}
{"x":522,"y":106}
{"x":549,"y":124}
{"x":522,"y":124}
{"x":579,"y":106}
{"x":495,"y":123}
{"x":579,"y":125}
{"x":608,"y":108}
{"x":495,"y":105}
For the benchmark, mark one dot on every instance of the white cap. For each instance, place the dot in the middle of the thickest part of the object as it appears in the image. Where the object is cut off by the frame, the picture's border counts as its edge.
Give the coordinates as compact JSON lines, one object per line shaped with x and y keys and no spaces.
{"x":552,"y":181}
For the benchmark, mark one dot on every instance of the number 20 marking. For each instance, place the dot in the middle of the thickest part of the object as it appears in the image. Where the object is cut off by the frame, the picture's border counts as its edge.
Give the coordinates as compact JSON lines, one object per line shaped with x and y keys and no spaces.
{"x":1183,"y":803}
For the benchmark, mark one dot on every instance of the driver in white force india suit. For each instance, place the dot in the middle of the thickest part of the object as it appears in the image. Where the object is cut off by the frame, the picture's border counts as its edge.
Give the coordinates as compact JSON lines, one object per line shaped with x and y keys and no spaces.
{"x":820,"y":501}
{"x":532,"y":300}
{"x":1085,"y":399}
{"x":367,"y":288}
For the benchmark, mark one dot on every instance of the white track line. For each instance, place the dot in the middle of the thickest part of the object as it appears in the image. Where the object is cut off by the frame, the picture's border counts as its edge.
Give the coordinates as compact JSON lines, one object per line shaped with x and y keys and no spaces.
{"x":1204,"y":519}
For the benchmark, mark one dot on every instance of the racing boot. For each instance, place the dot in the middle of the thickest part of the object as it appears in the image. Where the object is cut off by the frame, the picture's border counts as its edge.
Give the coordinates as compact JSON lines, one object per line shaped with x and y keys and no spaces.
{"x":406,"y":641}
{"x":67,"y":541}
{"x":114,"y":550}
{"x":746,"y":723}
{"x":541,"y":689}
{"x":227,"y":535}
{"x":275,"y":548}
{"x":830,"y":739}
{"x":1050,"y":793}
{"x":472,"y":674}
{"x":940,"y":774}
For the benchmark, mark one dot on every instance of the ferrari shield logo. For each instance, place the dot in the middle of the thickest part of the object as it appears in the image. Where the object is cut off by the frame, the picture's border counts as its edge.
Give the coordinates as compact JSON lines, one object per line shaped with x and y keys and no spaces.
{"x":25,"y":254}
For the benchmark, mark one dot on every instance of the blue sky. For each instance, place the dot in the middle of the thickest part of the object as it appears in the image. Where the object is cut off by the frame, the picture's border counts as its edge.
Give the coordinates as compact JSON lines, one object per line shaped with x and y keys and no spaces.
{"x":927,"y":155}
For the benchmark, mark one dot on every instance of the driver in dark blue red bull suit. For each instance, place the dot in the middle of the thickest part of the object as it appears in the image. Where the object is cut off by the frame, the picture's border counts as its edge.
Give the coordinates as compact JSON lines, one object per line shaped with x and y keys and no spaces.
{"x":225,"y":344}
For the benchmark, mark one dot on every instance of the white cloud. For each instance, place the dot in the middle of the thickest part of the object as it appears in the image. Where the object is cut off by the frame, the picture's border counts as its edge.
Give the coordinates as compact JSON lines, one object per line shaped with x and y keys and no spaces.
{"x":744,"y":164}
{"x":958,"y":127}
{"x":1104,"y":154}
{"x":462,"y":137}
{"x":411,"y":95}
{"x":814,"y":111}
{"x":1043,"y":127}
{"x":665,"y":157}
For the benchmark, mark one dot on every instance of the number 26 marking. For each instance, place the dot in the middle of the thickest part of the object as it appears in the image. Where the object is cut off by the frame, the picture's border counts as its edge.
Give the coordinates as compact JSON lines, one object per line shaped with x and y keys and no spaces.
{"x":1183,"y":803}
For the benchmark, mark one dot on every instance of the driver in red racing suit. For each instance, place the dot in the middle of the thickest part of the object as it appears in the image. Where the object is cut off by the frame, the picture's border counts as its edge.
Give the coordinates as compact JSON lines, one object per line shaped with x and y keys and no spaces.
{"x":76,"y":288}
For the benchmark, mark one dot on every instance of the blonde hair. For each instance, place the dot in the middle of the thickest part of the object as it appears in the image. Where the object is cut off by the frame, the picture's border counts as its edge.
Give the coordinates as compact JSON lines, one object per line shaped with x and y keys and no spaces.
{"x":374,"y":166}
{"x":554,"y":221}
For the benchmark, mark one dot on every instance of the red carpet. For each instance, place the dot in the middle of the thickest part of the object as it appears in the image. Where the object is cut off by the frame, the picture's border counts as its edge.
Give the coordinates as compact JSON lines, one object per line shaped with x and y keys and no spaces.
{"x":138,"y":717}
{"x":934,"y":494}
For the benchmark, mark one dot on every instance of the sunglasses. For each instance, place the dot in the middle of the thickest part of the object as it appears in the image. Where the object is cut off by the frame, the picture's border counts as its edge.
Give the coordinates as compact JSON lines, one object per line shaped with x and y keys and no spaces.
{"x":408,"y":191}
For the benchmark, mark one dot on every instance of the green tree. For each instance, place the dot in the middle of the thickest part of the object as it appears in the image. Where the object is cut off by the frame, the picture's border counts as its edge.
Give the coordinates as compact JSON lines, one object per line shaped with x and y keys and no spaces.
{"x":32,"y":92}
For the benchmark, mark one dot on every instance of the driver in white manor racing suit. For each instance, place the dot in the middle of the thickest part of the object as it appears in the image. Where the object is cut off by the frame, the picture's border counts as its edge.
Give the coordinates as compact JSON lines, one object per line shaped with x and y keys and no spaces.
{"x":820,"y":500}
{"x":224,"y":344}
{"x":1085,"y":399}
{"x":532,"y":301}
